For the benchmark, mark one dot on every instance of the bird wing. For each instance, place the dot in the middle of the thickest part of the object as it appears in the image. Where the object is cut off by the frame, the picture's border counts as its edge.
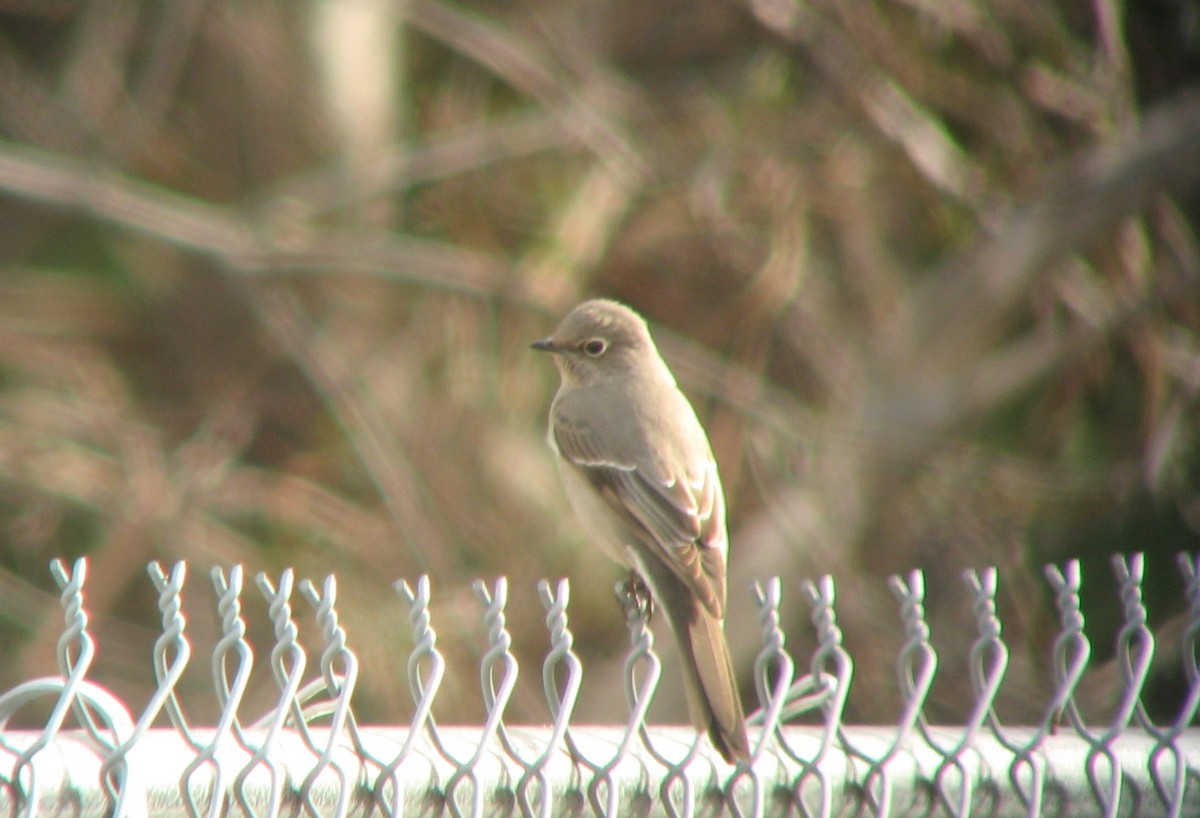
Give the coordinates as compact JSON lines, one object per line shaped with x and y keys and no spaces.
{"x":662,"y":482}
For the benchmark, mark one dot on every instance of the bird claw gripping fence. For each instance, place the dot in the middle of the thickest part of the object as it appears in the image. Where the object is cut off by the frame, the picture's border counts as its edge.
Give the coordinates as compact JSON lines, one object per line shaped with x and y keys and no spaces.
{"x":309,"y":756}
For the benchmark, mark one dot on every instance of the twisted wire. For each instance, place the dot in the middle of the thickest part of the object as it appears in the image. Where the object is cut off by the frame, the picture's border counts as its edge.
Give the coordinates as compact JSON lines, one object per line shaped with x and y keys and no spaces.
{"x":424,"y":689}
{"x":640,"y":659}
{"x":676,"y":790}
{"x":1069,"y":659}
{"x":561,"y":702}
{"x":1168,"y":763}
{"x":773,"y":674}
{"x":1135,"y":642}
{"x":832,"y":688}
{"x":916,"y":664}
{"x":1104,"y":768}
{"x":307,"y":755}
{"x":74,"y":636}
{"x":339,"y":672}
{"x":498,"y":658}
{"x":171,"y":655}
{"x":287,"y":665}
{"x":229,"y":697}
{"x":75,"y":693}
{"x":988,"y":662}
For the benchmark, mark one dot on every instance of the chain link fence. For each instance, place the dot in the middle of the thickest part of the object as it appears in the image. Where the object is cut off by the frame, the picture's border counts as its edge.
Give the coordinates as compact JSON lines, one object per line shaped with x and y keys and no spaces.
{"x":309,"y":755}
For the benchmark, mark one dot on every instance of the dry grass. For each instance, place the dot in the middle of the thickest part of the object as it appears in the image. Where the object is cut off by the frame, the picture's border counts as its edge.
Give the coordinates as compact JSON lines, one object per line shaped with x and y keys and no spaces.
{"x":269,"y":278}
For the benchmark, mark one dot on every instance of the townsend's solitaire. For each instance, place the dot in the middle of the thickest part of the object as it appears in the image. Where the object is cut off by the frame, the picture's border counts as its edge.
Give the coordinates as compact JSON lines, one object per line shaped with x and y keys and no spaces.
{"x":641,"y":477}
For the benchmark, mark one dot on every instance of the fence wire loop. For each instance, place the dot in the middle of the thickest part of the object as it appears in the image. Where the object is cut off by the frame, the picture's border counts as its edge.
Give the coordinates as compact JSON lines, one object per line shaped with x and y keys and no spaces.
{"x":339,"y":674}
{"x":307,"y":755}
{"x":390,"y":790}
{"x":774,"y":661}
{"x":1168,"y":761}
{"x":561,"y":703}
{"x":171,"y":654}
{"x":989,"y":660}
{"x":497,"y":660}
{"x":231,"y":647}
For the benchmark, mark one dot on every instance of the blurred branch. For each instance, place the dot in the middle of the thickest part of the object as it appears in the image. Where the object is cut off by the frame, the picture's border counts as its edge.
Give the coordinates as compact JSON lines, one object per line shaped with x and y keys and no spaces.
{"x":321,"y":190}
{"x":517,"y":62}
{"x":958,"y":359}
{"x":584,"y":229}
{"x":65,"y":181}
{"x":394,"y":477}
{"x":220,"y":233}
{"x":918,"y":131}
{"x":740,"y":387}
{"x":965,"y":305}
{"x":225,"y":233}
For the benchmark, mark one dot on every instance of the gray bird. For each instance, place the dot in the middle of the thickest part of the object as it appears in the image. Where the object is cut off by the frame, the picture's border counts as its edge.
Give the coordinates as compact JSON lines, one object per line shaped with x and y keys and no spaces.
{"x":641,"y":477}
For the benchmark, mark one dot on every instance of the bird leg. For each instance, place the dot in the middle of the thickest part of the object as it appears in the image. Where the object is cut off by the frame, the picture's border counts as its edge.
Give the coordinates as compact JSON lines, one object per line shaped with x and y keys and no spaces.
{"x":635,"y":598}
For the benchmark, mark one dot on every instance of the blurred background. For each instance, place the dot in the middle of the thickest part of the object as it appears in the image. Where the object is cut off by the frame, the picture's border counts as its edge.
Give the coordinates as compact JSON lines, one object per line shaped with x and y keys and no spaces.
{"x":269,"y":271}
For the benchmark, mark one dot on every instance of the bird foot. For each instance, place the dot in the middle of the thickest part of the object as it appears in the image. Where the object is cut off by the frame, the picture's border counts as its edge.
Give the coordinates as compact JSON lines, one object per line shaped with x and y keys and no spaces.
{"x":635,"y":598}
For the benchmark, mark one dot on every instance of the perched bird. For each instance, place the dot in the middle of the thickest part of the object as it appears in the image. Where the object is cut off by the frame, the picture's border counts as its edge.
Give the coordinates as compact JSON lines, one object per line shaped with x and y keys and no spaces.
{"x":640,"y":475}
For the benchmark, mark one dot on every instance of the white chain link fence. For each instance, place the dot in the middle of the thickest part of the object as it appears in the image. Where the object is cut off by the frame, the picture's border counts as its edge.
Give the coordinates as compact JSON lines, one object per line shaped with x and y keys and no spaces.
{"x":308,"y":756}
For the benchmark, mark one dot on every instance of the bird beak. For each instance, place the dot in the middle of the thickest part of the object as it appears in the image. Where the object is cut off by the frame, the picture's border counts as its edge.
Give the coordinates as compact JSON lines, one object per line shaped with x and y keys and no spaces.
{"x":544,"y":345}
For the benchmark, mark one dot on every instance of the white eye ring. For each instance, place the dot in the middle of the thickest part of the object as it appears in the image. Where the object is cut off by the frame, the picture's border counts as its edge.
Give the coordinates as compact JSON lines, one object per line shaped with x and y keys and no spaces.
{"x":595,"y":347}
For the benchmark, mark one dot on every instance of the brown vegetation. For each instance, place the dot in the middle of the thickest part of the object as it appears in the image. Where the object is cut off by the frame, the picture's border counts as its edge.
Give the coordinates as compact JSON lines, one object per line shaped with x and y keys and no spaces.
{"x":269,"y":271}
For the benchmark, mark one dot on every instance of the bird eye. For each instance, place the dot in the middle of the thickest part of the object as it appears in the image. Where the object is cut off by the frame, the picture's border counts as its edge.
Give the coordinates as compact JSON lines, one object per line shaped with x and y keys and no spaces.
{"x":595,"y":347}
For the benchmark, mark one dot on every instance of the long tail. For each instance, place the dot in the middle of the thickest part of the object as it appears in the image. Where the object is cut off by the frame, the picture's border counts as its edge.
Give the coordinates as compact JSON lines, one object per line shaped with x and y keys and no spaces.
{"x":713,"y":700}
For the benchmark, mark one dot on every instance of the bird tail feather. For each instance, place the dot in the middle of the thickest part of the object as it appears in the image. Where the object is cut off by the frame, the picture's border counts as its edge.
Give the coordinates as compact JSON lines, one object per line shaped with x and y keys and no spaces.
{"x":712,"y":694}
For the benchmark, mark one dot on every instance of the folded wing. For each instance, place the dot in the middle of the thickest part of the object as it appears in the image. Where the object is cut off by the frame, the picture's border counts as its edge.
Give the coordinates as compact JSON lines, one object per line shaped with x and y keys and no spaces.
{"x":666,"y":493}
